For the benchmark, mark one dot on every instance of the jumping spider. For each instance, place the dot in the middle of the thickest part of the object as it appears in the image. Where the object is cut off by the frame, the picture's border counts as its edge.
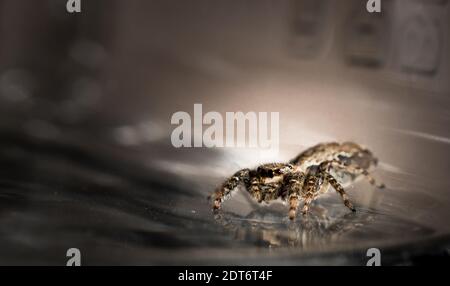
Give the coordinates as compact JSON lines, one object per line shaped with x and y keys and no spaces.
{"x":304,"y":178}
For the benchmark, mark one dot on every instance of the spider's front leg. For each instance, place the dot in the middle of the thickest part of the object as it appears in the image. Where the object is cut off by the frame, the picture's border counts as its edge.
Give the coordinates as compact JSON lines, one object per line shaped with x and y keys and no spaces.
{"x":293,"y":187}
{"x":241,"y":177}
{"x":310,"y":191}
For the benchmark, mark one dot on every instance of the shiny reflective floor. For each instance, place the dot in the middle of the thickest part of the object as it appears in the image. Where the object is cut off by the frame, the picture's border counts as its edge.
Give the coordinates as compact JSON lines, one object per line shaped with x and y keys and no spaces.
{"x":120,"y":209}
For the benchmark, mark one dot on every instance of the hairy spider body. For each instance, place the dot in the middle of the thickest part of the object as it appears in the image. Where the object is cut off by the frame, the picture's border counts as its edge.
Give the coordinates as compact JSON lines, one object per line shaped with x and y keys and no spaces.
{"x":304,"y":178}
{"x":344,"y":153}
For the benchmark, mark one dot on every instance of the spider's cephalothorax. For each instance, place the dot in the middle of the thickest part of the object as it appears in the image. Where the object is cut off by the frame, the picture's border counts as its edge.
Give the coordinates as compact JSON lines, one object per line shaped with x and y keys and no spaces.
{"x":304,"y":178}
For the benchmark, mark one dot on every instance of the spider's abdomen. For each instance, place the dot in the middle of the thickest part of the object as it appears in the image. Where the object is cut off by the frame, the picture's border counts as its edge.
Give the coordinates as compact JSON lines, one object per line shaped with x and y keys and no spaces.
{"x":347,"y":153}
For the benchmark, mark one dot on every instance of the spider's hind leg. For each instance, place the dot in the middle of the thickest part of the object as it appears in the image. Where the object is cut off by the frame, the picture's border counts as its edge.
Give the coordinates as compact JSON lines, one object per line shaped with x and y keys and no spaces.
{"x":225,"y":190}
{"x":371,"y":179}
{"x":351,"y":169}
{"x":340,"y":190}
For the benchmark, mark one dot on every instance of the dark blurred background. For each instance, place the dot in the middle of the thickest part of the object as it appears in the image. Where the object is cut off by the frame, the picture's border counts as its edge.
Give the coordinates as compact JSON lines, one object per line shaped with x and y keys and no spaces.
{"x":332,"y":69}
{"x":97,"y":89}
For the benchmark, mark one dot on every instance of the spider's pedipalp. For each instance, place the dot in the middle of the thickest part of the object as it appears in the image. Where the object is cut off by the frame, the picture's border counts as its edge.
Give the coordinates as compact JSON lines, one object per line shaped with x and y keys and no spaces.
{"x":254,"y":189}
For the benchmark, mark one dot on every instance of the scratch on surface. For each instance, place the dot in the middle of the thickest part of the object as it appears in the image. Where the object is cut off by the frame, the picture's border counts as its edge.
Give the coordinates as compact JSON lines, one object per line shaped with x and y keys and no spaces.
{"x":424,"y":135}
{"x":391,"y":168}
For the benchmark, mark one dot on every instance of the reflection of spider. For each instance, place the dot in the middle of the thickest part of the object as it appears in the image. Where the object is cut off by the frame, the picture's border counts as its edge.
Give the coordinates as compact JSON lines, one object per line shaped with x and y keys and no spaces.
{"x":309,"y":233}
{"x":302,"y":179}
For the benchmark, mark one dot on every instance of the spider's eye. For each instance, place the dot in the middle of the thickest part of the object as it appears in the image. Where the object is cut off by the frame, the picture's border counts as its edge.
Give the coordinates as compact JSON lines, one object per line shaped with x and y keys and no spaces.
{"x":270,"y":173}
